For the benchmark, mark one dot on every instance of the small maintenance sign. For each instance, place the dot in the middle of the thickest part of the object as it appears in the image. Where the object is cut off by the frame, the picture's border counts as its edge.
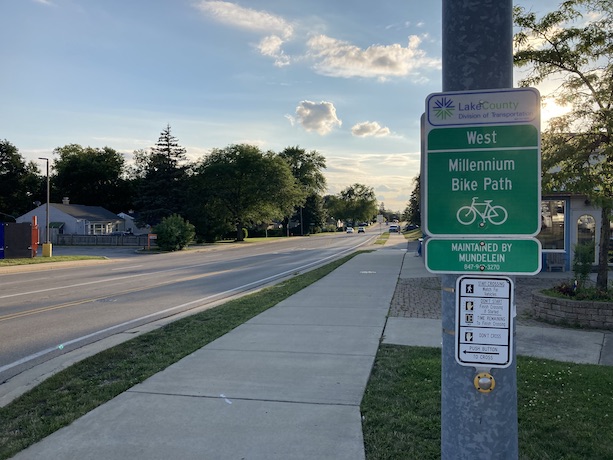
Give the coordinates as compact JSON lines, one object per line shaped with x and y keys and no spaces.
{"x":483,"y":321}
{"x":483,"y":163}
{"x":484,"y":256}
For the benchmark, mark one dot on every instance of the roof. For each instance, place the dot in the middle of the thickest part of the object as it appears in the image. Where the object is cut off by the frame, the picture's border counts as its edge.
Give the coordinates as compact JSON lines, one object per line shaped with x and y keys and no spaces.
{"x":89,"y":213}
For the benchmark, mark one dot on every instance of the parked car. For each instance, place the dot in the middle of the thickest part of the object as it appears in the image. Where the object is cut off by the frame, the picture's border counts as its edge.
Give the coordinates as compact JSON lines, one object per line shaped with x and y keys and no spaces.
{"x":361,"y":230}
{"x":349,"y":229}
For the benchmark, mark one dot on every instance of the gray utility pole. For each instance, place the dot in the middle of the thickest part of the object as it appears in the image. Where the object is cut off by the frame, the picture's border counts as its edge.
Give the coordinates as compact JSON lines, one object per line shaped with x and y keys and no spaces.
{"x":477,"y":55}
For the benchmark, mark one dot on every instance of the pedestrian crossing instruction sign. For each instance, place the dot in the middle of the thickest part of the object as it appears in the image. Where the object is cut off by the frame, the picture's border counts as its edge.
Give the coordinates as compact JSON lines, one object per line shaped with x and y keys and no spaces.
{"x":484,"y":307}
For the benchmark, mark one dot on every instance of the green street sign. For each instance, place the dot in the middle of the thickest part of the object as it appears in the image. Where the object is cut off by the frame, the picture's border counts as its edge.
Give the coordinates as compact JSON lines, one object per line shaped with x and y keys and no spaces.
{"x":486,"y":256}
{"x":482,"y":164}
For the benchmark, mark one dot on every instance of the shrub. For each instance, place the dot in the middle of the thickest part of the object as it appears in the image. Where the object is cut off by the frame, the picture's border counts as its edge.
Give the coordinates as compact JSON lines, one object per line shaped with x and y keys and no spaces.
{"x":174,"y":233}
{"x":582,"y":262}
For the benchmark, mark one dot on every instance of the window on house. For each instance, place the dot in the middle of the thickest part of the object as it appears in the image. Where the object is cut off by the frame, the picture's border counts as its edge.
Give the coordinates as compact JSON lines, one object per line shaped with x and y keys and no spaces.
{"x":97,"y":229}
{"x":553,"y":214}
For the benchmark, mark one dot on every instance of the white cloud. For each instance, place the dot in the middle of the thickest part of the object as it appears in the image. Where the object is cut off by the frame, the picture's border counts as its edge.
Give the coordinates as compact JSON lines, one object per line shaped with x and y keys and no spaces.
{"x":276,"y":29}
{"x":319,"y":117}
{"x":369,"y":128}
{"x":271,"y":46}
{"x":337,"y":58}
{"x":246,"y":18}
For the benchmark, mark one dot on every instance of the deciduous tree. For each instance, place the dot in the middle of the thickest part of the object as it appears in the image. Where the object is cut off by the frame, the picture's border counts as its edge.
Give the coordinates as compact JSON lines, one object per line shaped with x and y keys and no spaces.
{"x":412,"y":213}
{"x":357,"y":202}
{"x":19,"y":182}
{"x":574,"y":46}
{"x":90,"y":176}
{"x":250,"y":185}
{"x":306,"y":167}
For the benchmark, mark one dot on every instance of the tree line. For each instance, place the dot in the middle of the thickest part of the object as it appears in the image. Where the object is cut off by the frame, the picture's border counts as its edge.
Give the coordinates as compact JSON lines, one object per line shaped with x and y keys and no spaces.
{"x":223,"y":193}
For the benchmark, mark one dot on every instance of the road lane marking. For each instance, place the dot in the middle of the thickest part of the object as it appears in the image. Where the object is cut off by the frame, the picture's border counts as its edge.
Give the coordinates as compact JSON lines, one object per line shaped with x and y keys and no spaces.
{"x":188,"y":305}
{"x":98,"y":299}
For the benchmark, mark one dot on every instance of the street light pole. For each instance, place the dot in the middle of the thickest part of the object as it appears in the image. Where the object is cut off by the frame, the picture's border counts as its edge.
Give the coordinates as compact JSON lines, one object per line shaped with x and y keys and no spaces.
{"x":47,"y":245}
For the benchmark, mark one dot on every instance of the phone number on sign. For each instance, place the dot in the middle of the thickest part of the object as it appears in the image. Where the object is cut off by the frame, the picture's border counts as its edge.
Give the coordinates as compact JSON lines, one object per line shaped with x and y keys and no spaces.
{"x":482,"y":267}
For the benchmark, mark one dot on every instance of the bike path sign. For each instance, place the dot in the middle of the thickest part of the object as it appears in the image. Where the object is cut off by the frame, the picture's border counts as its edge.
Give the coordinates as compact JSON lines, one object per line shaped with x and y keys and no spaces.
{"x":483,"y":256}
{"x":482,"y":169}
{"x":483,"y":321}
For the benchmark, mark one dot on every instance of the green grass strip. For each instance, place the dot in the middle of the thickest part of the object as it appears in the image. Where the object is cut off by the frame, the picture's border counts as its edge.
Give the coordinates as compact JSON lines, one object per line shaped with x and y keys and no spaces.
{"x":75,"y":391}
{"x":382,"y":238}
{"x":45,"y":260}
{"x":565,"y":410}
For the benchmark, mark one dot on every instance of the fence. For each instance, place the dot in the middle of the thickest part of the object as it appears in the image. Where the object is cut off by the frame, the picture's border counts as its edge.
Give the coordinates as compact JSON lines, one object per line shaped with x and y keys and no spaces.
{"x":101,"y":240}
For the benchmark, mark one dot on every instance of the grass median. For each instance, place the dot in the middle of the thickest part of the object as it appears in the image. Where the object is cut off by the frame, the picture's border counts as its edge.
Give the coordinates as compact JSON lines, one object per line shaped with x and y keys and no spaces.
{"x":73,"y":392}
{"x":565,"y":410}
{"x":45,"y":260}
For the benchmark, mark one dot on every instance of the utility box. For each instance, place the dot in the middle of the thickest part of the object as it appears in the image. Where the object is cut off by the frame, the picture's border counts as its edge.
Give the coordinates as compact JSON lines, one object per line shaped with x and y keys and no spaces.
{"x":18,"y":241}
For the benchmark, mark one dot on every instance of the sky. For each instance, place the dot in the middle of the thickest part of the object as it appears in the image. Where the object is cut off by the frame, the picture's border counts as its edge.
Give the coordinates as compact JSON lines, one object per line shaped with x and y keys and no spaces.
{"x":345,"y":78}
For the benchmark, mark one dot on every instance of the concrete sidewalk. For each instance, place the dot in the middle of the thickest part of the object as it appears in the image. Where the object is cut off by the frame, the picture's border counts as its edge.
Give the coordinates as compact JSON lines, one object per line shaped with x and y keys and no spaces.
{"x":285,"y":385}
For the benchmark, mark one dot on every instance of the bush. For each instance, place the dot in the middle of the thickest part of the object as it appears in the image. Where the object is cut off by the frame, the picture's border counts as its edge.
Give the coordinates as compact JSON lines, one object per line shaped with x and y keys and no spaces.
{"x":174,"y":233}
{"x":582,"y":262}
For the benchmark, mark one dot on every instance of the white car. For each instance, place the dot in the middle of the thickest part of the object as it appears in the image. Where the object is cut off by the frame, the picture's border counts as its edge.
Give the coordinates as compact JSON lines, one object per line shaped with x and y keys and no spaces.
{"x":349,"y":229}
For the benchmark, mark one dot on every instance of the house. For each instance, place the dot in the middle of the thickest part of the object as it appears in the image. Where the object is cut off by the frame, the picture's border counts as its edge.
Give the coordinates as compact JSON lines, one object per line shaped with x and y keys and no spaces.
{"x":73,"y":219}
{"x":129,"y":224}
{"x":567,"y":220}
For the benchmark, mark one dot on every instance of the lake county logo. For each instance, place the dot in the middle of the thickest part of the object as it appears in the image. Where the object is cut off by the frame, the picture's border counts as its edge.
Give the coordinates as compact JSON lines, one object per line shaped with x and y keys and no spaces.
{"x":443,"y":108}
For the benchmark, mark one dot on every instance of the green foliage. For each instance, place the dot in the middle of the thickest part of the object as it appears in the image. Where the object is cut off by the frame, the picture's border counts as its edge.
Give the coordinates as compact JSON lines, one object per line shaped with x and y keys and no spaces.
{"x":90,"y":176}
{"x":160,"y":180}
{"x":19,"y":183}
{"x":174,"y":233}
{"x":570,"y":290}
{"x":582,"y":262}
{"x":412,"y":213}
{"x":247,"y":186}
{"x":355,"y":203}
{"x":306,"y":167}
{"x":576,"y":49}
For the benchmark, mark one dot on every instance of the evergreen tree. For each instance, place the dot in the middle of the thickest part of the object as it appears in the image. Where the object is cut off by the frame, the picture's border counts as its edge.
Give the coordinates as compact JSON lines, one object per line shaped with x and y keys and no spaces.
{"x":161,"y":180}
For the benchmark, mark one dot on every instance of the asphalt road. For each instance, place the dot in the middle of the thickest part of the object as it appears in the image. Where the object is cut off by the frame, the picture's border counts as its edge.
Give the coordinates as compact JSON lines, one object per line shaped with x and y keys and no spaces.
{"x":48,"y":312}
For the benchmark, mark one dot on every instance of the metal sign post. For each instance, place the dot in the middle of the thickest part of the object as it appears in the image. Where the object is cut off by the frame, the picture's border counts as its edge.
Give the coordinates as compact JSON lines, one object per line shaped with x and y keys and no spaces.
{"x":473,"y":167}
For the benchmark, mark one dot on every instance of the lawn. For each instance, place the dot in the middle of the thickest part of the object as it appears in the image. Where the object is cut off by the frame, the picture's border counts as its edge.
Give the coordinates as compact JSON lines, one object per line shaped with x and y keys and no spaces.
{"x":565,"y":410}
{"x":44,"y":260}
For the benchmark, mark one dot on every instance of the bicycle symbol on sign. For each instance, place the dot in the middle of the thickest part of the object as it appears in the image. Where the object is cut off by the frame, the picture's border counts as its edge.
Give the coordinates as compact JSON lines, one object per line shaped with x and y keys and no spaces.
{"x":496,"y":215}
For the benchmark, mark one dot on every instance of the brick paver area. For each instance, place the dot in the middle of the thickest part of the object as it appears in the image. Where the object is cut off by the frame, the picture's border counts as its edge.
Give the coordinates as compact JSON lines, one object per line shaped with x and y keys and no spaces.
{"x":421,"y":298}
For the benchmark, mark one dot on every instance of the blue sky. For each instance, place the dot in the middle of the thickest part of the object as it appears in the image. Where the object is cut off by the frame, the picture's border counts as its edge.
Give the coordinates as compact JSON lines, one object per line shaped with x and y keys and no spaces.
{"x":348,"y":79}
